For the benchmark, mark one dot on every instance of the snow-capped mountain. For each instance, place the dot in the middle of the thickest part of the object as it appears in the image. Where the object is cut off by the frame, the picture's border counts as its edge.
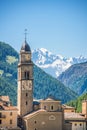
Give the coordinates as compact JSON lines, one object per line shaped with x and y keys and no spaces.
{"x":54,"y":64}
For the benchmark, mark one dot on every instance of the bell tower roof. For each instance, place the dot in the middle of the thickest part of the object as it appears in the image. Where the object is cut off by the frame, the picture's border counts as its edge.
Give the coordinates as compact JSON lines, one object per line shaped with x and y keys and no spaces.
{"x":25,"y":47}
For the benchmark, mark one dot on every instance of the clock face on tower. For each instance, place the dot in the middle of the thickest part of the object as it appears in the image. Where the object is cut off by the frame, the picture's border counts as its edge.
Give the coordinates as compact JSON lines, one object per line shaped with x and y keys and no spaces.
{"x":28,"y":57}
{"x":27,"y":85}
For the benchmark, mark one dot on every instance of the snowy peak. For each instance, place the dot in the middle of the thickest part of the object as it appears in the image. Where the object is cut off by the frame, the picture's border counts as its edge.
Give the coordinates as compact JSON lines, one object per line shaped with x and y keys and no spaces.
{"x":54,"y":64}
{"x":43,"y":56}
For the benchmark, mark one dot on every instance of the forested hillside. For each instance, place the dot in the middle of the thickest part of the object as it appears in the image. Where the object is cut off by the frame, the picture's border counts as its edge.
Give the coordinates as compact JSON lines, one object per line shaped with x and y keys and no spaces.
{"x":78,"y":102}
{"x":44,"y":84}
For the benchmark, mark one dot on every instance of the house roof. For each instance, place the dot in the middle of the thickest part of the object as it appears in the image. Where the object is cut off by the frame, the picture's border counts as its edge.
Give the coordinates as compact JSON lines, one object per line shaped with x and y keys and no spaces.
{"x":4,"y":98}
{"x":67,"y":107}
{"x":5,"y":104}
{"x":73,"y":116}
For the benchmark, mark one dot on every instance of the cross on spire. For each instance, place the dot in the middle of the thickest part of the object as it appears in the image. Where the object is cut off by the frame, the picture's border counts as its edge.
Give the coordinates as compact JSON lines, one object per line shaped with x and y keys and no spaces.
{"x":25,"y":33}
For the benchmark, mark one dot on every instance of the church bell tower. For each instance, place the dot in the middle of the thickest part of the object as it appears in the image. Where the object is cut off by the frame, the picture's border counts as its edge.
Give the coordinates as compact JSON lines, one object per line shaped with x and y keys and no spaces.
{"x":25,"y":80}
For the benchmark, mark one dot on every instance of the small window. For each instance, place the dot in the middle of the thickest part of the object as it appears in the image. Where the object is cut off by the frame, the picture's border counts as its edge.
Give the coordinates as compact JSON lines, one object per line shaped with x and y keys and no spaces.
{"x":35,"y":122}
{"x":26,"y":103}
{"x":28,"y":75}
{"x":45,"y":107}
{"x":51,"y":107}
{"x":0,"y":114}
{"x":10,"y":113}
{"x":75,"y":124}
{"x":0,"y":121}
{"x":10,"y":121}
{"x":35,"y":129}
{"x":1,"y":107}
{"x":26,"y":94}
{"x":80,"y":124}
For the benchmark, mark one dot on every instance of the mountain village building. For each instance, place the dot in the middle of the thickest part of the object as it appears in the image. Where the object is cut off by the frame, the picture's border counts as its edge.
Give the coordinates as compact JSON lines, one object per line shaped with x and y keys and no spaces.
{"x":46,"y":114}
{"x":8,"y":114}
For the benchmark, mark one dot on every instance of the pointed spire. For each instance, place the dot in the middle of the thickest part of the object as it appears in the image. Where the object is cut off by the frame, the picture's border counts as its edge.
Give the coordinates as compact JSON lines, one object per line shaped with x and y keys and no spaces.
{"x":25,"y":34}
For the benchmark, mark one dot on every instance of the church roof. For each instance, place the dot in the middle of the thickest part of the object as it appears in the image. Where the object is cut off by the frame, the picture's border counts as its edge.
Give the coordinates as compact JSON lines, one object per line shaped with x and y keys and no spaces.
{"x":25,"y":47}
{"x":50,"y":99}
{"x":33,"y":114}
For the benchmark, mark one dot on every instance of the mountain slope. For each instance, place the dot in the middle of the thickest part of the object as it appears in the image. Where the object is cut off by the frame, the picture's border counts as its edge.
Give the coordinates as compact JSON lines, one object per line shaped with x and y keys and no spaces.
{"x":54,"y":64}
{"x":75,"y":78}
{"x":47,"y":85}
{"x":44,"y":84}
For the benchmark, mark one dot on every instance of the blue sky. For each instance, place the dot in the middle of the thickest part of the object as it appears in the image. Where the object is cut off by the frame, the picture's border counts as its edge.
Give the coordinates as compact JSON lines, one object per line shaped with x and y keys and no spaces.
{"x":57,"y":25}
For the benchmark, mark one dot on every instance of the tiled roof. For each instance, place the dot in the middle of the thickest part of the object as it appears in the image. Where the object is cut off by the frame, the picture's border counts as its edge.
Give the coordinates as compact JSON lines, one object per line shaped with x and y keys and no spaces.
{"x":10,"y":108}
{"x":4,"y":98}
{"x":73,"y":116}
{"x":67,"y":107}
{"x":49,"y":99}
{"x":30,"y":115}
{"x":5,"y":104}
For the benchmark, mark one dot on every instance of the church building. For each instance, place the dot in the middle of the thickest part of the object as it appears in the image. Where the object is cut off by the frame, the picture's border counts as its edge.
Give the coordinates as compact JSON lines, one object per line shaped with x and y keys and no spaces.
{"x":46,"y":114}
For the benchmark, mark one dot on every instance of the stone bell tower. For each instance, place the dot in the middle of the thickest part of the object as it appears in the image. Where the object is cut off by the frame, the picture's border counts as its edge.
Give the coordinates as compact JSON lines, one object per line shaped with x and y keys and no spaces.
{"x":25,"y":80}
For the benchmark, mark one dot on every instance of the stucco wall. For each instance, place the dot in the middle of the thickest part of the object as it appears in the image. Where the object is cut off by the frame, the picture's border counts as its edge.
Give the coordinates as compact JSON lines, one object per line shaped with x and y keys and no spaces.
{"x":6,"y":117}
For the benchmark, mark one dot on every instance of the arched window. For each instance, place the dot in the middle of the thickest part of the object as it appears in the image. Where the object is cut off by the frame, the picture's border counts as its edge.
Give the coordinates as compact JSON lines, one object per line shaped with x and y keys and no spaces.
{"x":51,"y":107}
{"x":10,"y":121}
